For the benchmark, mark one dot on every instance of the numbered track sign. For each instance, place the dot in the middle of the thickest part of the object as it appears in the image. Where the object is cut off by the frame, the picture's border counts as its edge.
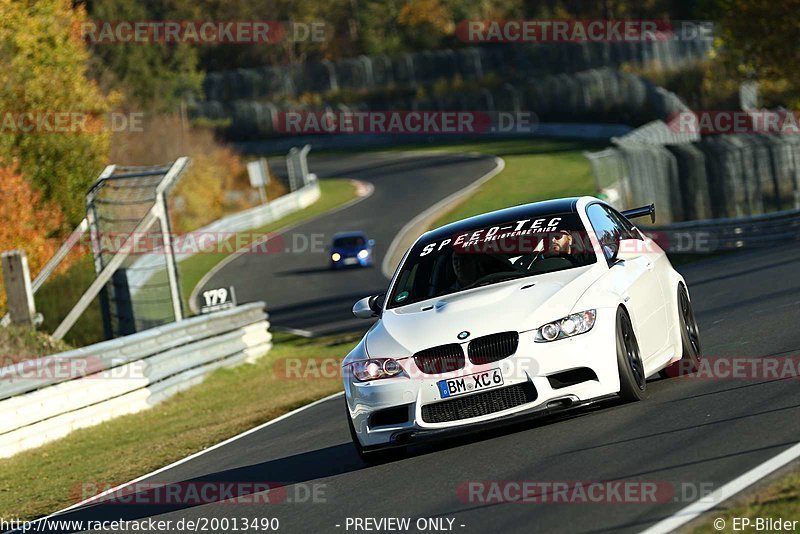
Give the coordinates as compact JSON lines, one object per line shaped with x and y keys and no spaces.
{"x":212,"y":300}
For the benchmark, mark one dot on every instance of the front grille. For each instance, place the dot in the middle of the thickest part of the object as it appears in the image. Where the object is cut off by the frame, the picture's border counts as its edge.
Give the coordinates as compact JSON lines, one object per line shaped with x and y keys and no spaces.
{"x":441,"y":359}
{"x":495,"y":400}
{"x":494,"y":347}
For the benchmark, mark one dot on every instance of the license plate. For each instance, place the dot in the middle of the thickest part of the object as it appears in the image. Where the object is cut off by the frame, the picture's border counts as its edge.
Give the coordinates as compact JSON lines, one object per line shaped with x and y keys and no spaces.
{"x":350,"y":261}
{"x":453,"y":387}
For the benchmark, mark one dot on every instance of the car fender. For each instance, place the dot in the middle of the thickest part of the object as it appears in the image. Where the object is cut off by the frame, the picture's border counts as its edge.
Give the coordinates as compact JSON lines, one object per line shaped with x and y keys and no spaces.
{"x":675,"y":281}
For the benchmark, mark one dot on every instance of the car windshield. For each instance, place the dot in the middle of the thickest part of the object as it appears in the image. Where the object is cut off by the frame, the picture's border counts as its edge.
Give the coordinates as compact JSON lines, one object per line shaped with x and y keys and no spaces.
{"x":352,"y":241}
{"x":489,"y":255}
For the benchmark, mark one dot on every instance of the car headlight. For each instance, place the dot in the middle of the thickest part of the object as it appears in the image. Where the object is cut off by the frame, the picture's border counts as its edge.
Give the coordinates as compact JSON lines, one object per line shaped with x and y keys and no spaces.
{"x":363,"y":254}
{"x":375,"y":369}
{"x":336,"y":256}
{"x":571,"y":325}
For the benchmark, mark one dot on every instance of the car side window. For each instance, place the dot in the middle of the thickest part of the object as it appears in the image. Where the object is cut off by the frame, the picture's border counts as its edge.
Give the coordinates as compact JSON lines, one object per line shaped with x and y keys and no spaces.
{"x":609,"y":230}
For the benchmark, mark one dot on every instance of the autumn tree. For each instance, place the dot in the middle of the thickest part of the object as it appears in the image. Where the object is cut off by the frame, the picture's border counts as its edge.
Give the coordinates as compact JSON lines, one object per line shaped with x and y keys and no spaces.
{"x":152,"y":76}
{"x":44,"y":71}
{"x":26,"y":221}
{"x":757,"y":38}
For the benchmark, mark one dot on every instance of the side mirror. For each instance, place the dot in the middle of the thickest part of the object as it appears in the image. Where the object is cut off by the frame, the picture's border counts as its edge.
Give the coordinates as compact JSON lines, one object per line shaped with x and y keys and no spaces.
{"x":369,"y":307}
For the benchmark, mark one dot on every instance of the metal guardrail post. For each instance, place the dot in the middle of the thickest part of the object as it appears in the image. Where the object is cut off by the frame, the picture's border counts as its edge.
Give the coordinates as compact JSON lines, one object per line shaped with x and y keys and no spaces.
{"x":53,"y":263}
{"x":19,"y":293}
{"x":169,"y":255}
{"x":303,"y":157}
{"x":292,"y":169}
{"x":95,"y":238}
{"x":297,"y":167}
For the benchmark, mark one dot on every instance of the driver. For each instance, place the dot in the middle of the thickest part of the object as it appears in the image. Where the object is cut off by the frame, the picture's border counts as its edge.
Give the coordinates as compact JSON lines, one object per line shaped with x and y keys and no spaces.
{"x":559,"y":244}
{"x":466,"y":269}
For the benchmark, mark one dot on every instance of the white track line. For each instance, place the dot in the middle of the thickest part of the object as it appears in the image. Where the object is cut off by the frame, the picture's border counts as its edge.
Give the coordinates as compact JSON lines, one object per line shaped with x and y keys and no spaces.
{"x":724,"y":493}
{"x":386,"y":268}
{"x":97,"y":497}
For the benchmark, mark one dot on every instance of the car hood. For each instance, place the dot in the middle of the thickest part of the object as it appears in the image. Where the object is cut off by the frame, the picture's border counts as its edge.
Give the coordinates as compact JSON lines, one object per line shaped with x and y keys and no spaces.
{"x":517,"y":305}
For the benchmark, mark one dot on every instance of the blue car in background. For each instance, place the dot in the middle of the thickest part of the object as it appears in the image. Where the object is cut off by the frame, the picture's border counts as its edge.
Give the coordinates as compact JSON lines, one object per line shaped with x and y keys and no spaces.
{"x":351,"y":249}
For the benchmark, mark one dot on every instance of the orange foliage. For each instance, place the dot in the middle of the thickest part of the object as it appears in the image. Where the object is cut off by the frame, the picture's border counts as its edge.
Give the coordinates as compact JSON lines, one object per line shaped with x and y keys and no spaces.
{"x":26,"y":222}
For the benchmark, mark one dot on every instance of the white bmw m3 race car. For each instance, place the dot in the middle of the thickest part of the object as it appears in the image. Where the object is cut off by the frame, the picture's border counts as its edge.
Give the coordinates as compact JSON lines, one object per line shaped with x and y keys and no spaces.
{"x":519,"y":312}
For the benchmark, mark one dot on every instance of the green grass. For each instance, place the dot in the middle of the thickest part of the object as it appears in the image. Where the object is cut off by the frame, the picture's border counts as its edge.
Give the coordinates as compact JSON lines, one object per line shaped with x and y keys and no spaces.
{"x":60,"y":293}
{"x":535,"y":170}
{"x":779,"y":499}
{"x":39,"y":481}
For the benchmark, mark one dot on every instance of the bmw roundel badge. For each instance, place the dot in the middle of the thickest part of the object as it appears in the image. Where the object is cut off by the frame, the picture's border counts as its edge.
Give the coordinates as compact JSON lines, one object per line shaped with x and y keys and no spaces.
{"x":463,"y":335}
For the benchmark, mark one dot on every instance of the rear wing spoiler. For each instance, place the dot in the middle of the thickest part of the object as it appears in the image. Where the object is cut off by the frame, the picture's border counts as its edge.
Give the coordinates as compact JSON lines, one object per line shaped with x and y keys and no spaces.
{"x":644,"y":211}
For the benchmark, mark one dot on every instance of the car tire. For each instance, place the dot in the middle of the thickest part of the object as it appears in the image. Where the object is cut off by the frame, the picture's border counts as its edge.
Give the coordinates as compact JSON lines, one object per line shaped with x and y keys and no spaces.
{"x":691,"y":349}
{"x":372,"y":457}
{"x":632,"y":378}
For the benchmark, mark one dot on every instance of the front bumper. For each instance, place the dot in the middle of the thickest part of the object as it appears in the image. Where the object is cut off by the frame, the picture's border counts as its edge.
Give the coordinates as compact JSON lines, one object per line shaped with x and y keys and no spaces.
{"x":533,"y":364}
{"x":352,"y":261}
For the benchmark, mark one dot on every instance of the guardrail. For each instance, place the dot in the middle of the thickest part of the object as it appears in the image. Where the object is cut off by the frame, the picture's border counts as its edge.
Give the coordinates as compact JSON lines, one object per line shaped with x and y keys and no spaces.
{"x":266,"y":213}
{"x":46,"y":399}
{"x":717,"y":235}
{"x":142,"y":268}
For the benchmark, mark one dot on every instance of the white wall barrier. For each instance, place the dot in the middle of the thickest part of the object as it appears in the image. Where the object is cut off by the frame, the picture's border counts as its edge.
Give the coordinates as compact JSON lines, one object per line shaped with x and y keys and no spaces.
{"x":46,"y":399}
{"x":250,"y":219}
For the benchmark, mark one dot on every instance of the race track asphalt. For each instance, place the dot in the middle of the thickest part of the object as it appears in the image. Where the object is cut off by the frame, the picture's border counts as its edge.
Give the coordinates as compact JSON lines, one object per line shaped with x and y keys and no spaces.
{"x":690,"y":433}
{"x":295,"y":281}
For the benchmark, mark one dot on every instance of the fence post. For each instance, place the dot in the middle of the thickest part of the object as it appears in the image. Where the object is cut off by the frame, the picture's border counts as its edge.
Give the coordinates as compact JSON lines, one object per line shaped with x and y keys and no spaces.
{"x":291,"y":169}
{"x":303,"y":159}
{"x":19,"y":292}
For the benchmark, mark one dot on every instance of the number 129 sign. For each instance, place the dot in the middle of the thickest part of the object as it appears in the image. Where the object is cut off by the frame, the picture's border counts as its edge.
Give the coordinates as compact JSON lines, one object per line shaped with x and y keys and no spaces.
{"x":213,"y":300}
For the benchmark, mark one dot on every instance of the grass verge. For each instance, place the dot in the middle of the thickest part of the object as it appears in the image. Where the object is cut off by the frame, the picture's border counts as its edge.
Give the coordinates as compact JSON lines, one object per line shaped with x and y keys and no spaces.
{"x":535,"y":170}
{"x":779,"y":499}
{"x":230,"y":401}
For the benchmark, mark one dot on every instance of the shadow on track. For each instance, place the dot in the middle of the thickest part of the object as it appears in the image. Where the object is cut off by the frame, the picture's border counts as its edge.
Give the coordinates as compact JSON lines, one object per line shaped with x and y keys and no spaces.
{"x":295,"y":469}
